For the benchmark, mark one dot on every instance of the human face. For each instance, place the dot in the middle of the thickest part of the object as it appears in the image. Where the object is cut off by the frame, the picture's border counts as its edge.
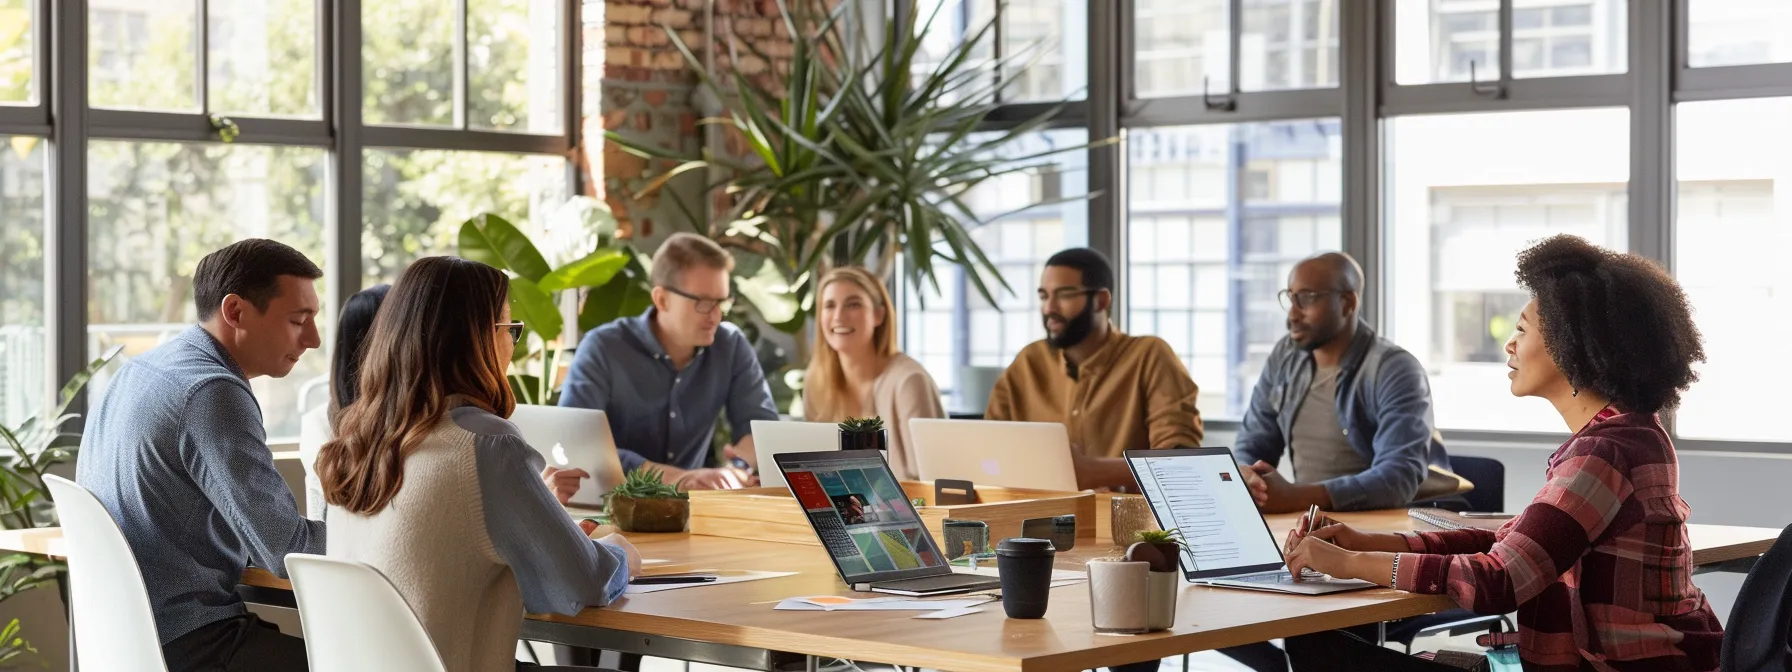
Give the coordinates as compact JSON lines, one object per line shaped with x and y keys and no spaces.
{"x":1317,"y":310}
{"x":849,"y":318}
{"x":678,"y":317}
{"x":270,"y":342}
{"x":1533,"y":372}
{"x":1069,"y":309}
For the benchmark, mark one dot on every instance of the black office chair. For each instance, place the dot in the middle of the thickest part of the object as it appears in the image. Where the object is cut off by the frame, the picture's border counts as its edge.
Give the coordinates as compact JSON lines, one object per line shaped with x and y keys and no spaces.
{"x":1489,"y":477}
{"x":1758,"y":637}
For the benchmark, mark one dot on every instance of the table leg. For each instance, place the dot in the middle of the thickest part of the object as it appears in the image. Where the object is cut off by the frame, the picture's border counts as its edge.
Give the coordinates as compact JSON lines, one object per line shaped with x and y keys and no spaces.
{"x":811,"y":664}
{"x":1381,"y":633}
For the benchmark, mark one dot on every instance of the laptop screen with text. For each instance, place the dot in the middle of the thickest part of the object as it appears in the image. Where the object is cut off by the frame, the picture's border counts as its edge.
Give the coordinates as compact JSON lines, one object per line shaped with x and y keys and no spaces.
{"x":1199,"y":493}
{"x":861,"y":515}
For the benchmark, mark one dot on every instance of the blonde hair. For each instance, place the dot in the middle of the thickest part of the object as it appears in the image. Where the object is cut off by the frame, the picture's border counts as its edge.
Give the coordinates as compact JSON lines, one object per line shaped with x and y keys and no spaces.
{"x":825,"y":381}
{"x":684,"y":251}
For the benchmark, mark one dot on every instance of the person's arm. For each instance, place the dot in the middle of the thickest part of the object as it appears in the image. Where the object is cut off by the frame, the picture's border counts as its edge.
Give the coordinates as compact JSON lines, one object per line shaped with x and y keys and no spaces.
{"x":749,"y":397}
{"x":1583,"y":499}
{"x":225,"y":450}
{"x":588,"y":386}
{"x":1001,"y":395}
{"x":558,"y":569}
{"x":1402,"y":441}
{"x":1171,"y":419}
{"x":916,"y":397}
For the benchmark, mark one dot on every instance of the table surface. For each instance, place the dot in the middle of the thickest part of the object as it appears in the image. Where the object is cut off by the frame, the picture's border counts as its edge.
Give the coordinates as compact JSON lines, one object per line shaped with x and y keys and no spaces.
{"x":1207,"y":618}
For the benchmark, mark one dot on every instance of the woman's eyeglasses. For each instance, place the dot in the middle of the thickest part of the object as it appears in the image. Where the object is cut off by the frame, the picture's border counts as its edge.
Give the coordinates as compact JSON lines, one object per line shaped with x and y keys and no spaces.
{"x":516,"y":330}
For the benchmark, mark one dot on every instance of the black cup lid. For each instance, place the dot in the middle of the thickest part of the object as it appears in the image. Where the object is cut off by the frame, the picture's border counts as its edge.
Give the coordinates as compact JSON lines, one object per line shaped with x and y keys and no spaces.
{"x":1023,"y":547}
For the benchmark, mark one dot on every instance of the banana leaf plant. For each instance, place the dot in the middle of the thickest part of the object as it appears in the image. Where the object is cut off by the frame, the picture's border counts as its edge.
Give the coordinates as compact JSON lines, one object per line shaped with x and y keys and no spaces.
{"x":615,"y":275}
{"x":861,"y":152}
{"x":31,"y":449}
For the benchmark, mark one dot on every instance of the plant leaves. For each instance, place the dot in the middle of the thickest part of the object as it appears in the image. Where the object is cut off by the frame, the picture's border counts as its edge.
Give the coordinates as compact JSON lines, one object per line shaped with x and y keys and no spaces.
{"x":535,"y":308}
{"x":627,"y":294}
{"x":494,"y":241}
{"x":592,"y":270}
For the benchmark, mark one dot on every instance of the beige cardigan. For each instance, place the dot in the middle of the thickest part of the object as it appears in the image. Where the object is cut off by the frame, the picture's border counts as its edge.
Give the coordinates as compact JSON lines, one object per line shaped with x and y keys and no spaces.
{"x":903,"y":391}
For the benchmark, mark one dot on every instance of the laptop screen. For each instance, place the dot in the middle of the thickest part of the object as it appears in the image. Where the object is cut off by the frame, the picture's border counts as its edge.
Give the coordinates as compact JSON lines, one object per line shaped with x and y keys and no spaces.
{"x":1199,"y":492}
{"x":861,"y":515}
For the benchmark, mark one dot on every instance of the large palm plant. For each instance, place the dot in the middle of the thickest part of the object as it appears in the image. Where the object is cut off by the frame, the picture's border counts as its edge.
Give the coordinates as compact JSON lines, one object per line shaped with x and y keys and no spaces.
{"x":861,"y":151}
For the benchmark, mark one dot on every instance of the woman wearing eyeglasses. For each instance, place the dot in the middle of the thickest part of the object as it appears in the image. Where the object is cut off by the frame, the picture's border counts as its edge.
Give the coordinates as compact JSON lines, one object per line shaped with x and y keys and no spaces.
{"x":1598,"y":566}
{"x":429,"y":483}
{"x":855,"y":370}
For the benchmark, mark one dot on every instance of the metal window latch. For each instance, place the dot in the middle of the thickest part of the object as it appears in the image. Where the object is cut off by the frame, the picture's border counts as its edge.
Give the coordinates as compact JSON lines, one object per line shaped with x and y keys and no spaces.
{"x":1493,"y":89}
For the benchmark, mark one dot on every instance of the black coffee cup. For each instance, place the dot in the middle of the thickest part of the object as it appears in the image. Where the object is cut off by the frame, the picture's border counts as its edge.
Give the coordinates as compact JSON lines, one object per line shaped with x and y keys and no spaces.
{"x":1025,"y":566}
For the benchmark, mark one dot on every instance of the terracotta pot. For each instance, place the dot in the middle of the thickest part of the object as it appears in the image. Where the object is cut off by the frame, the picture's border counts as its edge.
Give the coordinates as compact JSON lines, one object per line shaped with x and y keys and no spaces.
{"x":650,"y":515}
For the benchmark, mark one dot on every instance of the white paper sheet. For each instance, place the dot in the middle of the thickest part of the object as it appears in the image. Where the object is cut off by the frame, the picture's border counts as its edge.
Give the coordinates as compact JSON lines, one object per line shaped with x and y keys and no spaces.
{"x":724,"y":576}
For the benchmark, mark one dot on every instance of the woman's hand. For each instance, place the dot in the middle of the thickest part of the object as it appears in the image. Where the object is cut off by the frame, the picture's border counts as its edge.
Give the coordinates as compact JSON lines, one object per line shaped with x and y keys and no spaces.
{"x":634,"y":556}
{"x":1321,"y":556}
{"x":1345,"y":537}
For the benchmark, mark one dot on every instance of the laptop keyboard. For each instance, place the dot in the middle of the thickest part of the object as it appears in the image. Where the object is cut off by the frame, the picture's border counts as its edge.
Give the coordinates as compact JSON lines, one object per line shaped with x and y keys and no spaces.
{"x":941,"y":582}
{"x":1280,"y":576}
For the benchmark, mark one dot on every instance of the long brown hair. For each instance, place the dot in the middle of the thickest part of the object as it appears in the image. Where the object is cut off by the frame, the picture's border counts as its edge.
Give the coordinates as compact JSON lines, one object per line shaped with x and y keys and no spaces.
{"x":825,"y":380}
{"x":434,"y":338}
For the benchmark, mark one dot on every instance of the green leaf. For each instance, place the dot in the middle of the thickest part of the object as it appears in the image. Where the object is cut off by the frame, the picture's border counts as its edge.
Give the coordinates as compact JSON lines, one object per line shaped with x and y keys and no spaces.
{"x":494,"y":241}
{"x":535,"y":307}
{"x":593,"y":270}
{"x":770,"y":293}
{"x":627,"y":294}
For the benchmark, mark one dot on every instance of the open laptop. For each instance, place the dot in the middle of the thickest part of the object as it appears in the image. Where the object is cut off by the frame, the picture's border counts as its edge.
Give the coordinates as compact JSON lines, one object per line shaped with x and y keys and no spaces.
{"x":1198,"y":491}
{"x":772,"y":437}
{"x":868,"y":527}
{"x":574,"y":438}
{"x":987,"y":452}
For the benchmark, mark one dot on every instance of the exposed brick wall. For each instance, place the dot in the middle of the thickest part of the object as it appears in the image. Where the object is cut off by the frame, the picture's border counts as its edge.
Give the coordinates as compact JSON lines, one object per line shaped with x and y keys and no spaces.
{"x":645,"y":92}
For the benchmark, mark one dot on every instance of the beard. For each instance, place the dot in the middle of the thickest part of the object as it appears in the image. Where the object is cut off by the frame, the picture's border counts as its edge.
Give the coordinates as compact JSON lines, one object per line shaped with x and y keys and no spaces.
{"x":1075,"y":329}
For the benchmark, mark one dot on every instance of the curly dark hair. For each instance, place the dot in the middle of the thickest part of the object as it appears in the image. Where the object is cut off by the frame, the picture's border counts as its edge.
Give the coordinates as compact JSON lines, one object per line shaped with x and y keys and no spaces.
{"x":1616,"y":324}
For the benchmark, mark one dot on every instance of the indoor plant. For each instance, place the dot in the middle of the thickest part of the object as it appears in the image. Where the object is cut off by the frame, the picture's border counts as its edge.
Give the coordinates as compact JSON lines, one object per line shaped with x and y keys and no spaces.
{"x":1161,"y":549}
{"x":863,"y":434}
{"x":645,"y":503}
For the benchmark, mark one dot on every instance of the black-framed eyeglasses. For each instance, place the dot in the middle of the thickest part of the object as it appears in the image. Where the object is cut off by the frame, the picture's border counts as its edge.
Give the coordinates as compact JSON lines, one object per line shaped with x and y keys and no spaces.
{"x":1065,"y":293}
{"x":516,"y":330}
{"x":1303,"y":299}
{"x":704,"y":306}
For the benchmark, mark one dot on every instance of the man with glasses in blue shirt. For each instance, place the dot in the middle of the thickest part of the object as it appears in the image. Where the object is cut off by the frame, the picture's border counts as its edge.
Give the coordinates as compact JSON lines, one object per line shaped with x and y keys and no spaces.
{"x":664,"y":376}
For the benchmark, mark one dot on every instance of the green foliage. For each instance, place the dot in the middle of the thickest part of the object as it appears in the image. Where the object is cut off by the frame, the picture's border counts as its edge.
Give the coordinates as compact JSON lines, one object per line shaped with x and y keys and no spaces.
{"x":862,"y":425}
{"x":13,"y":645}
{"x":1171,"y":536}
{"x":647,"y":483}
{"x":613,"y":273}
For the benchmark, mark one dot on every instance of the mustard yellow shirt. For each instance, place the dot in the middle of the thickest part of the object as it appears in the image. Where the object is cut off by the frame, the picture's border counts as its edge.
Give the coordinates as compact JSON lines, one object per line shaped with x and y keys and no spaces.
{"x":1133,"y":394}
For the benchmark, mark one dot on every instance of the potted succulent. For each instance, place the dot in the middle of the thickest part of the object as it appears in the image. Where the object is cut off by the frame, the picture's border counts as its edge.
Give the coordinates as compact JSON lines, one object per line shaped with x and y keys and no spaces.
{"x":645,"y":503}
{"x":1161,"y":549}
{"x":863,"y":434}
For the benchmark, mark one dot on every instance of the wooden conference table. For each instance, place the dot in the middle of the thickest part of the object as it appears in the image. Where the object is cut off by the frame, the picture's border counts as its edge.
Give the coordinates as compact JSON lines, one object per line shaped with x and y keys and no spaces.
{"x":735,"y":624}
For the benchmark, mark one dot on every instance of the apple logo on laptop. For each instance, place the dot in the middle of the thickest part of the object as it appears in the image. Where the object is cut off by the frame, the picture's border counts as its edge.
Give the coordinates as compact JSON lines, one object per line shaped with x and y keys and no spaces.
{"x":560,"y":455}
{"x":991,"y":467}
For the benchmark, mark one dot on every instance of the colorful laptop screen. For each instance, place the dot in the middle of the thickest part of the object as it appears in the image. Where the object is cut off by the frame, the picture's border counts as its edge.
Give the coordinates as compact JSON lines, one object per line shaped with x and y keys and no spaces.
{"x":862,"y":516}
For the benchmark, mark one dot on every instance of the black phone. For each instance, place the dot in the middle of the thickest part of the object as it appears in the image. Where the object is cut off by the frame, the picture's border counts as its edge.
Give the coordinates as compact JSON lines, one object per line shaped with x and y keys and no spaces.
{"x":671,"y":579}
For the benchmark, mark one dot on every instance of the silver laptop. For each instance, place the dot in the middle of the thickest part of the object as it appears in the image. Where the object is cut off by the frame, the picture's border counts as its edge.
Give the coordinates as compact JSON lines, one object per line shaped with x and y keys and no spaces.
{"x":574,"y":438}
{"x":772,"y":437}
{"x":987,"y":452}
{"x":1198,"y":491}
{"x":869,"y":528}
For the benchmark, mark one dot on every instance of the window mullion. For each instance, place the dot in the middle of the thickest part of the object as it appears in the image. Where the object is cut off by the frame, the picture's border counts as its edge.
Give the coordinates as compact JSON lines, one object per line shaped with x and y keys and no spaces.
{"x":345,"y":106}
{"x":1235,"y":28}
{"x":1361,"y":76}
{"x":201,"y":36}
{"x":66,"y":241}
{"x":461,"y":66}
{"x":1505,"y":44}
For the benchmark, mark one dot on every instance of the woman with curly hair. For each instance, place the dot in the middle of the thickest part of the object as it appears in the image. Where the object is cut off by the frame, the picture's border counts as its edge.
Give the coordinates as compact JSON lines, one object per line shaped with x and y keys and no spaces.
{"x":1598,"y":566}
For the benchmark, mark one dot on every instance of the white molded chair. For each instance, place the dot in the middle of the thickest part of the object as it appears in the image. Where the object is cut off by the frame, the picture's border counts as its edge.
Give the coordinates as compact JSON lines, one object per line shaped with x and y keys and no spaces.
{"x":114,"y":626}
{"x":355,"y":619}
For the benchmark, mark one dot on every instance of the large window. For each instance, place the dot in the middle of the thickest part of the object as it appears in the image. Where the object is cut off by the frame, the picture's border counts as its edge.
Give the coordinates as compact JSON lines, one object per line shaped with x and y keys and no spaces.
{"x":1735,"y":221}
{"x":956,"y":327}
{"x":23,"y":357}
{"x":1042,"y":43}
{"x":1219,"y":215}
{"x":416,"y":200}
{"x":156,"y":208}
{"x":18,"y":46}
{"x":1452,"y":40}
{"x":1466,"y":193}
{"x":141,"y":54}
{"x":1738,"y":32}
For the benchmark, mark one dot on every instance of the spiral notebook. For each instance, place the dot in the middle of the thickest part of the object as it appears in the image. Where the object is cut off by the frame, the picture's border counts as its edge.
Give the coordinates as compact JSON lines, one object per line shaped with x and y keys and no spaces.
{"x":1447,"y":520}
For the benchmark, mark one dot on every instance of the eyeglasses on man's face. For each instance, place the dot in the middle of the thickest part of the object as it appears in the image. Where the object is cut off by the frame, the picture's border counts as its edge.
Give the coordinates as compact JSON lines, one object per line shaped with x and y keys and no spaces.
{"x":1303,"y":299}
{"x":1064,"y":294}
{"x":516,"y":330}
{"x":704,"y":305}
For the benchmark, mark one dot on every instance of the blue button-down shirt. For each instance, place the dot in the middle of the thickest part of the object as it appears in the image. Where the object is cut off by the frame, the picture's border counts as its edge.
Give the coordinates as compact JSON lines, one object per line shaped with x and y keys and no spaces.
{"x":658,"y":413}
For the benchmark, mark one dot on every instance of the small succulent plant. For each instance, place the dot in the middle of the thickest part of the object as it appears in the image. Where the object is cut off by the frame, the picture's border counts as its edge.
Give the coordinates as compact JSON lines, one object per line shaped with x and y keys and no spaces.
{"x":647,"y":483}
{"x":1161,"y":548}
{"x":862,"y":425}
{"x":1160,"y":537}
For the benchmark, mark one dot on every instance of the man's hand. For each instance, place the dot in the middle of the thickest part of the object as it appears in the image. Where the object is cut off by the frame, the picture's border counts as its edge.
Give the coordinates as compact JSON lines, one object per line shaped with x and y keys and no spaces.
{"x":1275,"y":494}
{"x":634,"y":556}
{"x":719,"y":478}
{"x":564,"y":483}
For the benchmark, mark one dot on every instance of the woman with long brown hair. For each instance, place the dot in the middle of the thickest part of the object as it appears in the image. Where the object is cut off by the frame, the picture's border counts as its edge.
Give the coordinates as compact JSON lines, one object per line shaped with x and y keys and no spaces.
{"x":429,"y":483}
{"x":855,"y":370}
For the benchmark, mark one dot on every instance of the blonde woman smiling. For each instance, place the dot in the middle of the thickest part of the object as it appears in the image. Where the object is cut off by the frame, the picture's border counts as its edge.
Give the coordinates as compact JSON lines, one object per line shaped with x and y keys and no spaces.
{"x":856,"y":370}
